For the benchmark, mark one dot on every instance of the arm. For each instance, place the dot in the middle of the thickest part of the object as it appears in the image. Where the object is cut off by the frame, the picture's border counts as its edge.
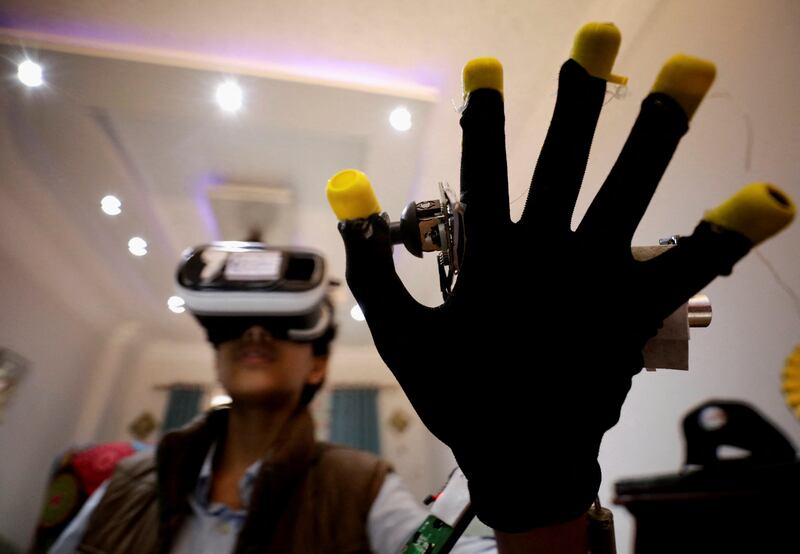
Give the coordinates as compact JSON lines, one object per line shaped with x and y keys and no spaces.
{"x":563,"y":538}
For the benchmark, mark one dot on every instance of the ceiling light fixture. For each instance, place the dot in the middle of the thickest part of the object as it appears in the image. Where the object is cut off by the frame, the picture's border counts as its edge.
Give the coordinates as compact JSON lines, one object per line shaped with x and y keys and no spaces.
{"x":356,"y":313}
{"x":137,"y":246}
{"x":229,"y":96}
{"x":30,"y":73}
{"x":176,"y":304}
{"x":111,"y":205}
{"x":400,"y":119}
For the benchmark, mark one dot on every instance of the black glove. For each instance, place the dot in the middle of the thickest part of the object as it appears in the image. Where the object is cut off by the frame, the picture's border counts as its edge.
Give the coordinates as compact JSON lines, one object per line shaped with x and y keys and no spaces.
{"x":526,"y":365}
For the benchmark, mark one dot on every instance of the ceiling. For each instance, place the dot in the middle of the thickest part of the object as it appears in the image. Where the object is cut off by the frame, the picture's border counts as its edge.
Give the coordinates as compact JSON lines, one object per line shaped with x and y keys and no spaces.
{"x":148,"y":131}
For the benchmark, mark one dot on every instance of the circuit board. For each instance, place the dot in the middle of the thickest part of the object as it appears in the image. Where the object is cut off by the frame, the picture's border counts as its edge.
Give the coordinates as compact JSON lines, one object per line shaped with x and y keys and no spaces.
{"x":431,"y":536}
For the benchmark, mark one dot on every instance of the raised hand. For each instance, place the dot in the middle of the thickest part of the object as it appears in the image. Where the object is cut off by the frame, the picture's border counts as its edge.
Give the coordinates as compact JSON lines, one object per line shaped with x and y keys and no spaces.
{"x":526,"y":365}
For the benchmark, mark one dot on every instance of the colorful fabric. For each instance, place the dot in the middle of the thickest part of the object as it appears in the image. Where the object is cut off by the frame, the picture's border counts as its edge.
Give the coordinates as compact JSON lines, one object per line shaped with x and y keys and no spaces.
{"x":96,"y":464}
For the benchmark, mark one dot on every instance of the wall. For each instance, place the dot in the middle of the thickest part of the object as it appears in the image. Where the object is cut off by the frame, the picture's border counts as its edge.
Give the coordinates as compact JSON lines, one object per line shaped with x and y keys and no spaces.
{"x":41,"y":418}
{"x":161,"y":364}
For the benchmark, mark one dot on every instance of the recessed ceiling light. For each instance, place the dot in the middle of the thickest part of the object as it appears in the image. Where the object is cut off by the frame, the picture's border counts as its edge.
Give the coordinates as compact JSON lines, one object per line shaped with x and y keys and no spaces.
{"x":111,"y":205}
{"x":137,"y":246}
{"x":30,"y":73}
{"x":176,"y":304}
{"x":229,"y":96}
{"x":400,"y":119}
{"x":356,"y":313}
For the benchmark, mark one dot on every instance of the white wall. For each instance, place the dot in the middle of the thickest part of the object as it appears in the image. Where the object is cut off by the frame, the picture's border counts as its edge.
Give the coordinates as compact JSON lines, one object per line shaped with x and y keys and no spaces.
{"x":40,"y":420}
{"x":161,"y":364}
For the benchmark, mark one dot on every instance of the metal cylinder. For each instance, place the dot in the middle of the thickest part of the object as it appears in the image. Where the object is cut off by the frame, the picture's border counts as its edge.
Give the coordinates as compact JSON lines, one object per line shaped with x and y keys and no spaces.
{"x":699,"y":311}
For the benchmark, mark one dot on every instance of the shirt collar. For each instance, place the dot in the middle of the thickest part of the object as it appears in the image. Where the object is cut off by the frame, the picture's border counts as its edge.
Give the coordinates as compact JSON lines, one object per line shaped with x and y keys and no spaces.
{"x":203,"y":488}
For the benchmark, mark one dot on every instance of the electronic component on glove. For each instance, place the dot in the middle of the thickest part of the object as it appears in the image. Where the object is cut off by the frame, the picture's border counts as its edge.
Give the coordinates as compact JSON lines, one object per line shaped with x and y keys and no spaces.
{"x":427,"y":226}
{"x":451,"y":512}
{"x":434,"y":226}
{"x":669,"y":348}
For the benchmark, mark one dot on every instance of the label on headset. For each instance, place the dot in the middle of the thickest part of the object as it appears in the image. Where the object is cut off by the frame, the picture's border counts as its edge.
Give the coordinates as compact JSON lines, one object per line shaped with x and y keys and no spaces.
{"x":253,"y":266}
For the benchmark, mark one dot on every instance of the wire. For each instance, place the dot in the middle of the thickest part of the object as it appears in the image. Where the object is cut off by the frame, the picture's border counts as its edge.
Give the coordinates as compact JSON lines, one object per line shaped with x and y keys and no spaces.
{"x":524,"y":192}
{"x":748,"y":125}
{"x":792,"y":294}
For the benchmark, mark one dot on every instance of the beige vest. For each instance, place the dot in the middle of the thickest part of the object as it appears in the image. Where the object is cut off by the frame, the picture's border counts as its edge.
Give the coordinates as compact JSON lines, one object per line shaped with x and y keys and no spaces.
{"x":307,"y":498}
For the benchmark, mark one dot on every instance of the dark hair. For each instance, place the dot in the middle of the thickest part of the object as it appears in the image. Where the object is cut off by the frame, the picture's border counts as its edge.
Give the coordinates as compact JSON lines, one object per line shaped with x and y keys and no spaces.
{"x":319,"y":347}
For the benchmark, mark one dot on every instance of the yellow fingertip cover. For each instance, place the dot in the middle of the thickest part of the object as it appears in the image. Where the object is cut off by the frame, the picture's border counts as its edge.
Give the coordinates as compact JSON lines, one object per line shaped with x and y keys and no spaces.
{"x":791,"y":381}
{"x":351,"y":196}
{"x":757,"y":211}
{"x":595,"y":48}
{"x":687,"y":80}
{"x":483,"y":73}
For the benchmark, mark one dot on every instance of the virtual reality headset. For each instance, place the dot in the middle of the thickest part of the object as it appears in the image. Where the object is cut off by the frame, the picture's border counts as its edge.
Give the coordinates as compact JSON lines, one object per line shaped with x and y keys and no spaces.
{"x":231,"y":286}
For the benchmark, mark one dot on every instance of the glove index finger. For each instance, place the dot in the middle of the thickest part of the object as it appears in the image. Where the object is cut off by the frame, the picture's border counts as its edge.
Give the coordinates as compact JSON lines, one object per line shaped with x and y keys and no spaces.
{"x":481,"y":73}
{"x":686,"y":79}
{"x":595,"y":48}
{"x":582,"y":84}
{"x":484,"y":174}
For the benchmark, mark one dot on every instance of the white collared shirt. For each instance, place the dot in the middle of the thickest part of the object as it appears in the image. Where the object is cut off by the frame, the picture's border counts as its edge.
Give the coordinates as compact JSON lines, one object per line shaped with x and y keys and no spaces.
{"x":212,"y":527}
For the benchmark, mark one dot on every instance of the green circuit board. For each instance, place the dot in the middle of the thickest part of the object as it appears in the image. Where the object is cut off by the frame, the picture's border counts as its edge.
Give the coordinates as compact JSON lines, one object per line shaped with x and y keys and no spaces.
{"x":431,"y":536}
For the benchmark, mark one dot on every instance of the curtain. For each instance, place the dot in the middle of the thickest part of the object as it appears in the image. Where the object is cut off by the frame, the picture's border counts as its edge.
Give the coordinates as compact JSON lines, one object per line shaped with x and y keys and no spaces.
{"x":354,"y":418}
{"x":183,"y":405}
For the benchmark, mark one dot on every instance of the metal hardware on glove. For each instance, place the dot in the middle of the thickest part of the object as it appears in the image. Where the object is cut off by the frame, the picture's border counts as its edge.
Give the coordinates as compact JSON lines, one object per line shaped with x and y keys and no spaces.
{"x":669,"y":241}
{"x":602,"y":538}
{"x":434,"y":226}
{"x":699,"y":307}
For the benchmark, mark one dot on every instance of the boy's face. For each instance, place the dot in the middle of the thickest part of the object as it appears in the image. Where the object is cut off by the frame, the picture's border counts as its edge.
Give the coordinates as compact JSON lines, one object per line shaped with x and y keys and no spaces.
{"x":261,"y":370}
